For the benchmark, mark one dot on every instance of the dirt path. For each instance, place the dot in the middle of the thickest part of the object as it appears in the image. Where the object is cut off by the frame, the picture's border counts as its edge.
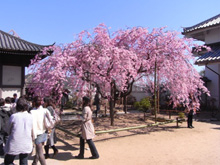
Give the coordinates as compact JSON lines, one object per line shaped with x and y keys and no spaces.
{"x":165,"y":145}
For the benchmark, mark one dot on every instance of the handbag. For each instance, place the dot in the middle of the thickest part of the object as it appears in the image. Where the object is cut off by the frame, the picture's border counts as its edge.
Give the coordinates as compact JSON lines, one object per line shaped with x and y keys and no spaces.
{"x":48,"y":122}
{"x":56,"y":117}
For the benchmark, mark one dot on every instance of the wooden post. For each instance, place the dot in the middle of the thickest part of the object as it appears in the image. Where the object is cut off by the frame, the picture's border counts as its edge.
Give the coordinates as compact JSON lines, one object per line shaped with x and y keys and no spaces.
{"x":177,"y":122}
{"x":125,"y":104}
{"x":155,"y":91}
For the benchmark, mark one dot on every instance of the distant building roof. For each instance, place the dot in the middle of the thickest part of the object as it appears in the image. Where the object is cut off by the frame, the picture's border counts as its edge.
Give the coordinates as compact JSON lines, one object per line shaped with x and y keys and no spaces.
{"x":14,"y":45}
{"x":210,"y":57}
{"x":214,"y":21}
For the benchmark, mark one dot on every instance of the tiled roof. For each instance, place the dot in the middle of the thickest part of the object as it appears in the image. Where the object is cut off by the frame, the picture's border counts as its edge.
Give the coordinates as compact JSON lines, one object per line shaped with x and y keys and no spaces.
{"x":210,"y":57}
{"x":10,"y":43}
{"x":205,"y":24}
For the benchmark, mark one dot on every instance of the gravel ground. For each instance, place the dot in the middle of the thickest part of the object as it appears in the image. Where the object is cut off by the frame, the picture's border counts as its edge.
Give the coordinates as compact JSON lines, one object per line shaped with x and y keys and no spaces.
{"x":163,"y":145}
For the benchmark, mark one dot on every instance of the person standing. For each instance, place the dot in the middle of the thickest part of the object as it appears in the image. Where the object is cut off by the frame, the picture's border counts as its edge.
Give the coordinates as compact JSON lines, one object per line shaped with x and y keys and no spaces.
{"x":39,"y":129}
{"x":190,"y":115}
{"x":4,"y":119}
{"x":97,"y":103}
{"x":15,"y":96}
{"x":20,"y":126}
{"x":13,"y":105}
{"x":8,"y":105}
{"x":191,"y":112}
{"x":88,"y":132}
{"x":64,"y":99}
{"x":48,"y":103}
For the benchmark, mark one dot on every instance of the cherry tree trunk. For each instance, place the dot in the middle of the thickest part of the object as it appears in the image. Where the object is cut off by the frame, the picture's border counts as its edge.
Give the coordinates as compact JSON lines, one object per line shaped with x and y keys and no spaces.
{"x":111,"y":104}
{"x":125,"y":104}
{"x":158,"y":100}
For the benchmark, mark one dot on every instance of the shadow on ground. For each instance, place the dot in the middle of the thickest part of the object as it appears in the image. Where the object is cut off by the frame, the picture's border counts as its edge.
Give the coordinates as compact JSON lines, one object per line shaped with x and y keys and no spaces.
{"x":66,"y":145}
{"x":206,"y":117}
{"x":133,"y":132}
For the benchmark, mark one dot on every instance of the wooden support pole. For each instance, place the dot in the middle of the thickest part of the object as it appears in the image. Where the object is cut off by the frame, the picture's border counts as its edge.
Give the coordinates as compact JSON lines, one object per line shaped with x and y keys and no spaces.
{"x":155,"y":91}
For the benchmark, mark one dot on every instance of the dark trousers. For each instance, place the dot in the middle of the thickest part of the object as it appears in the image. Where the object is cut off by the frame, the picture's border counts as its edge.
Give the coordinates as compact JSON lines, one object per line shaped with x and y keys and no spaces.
{"x":189,"y":120}
{"x":2,"y":150}
{"x":3,"y":140}
{"x":23,"y":158}
{"x":92,"y":147}
{"x":97,"y":110}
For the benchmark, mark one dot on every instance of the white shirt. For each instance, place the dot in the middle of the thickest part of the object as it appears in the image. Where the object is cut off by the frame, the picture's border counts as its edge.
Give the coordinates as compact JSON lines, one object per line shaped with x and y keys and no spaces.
{"x":20,"y":134}
{"x":38,"y":120}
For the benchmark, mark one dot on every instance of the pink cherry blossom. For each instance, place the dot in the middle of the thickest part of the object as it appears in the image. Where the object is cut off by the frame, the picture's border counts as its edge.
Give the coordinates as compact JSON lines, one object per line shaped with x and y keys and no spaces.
{"x":111,"y":62}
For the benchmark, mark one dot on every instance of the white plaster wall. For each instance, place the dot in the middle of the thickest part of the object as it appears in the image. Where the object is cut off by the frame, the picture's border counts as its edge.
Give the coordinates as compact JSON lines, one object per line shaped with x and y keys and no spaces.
{"x":212,"y":36}
{"x":213,"y":86}
{"x":139,"y":95}
{"x":11,"y":75}
{"x":8,"y":92}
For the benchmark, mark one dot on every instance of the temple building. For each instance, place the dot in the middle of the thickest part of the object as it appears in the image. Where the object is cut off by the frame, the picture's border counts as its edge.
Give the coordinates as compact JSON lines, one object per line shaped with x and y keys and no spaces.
{"x":208,"y":31}
{"x":15,"y":55}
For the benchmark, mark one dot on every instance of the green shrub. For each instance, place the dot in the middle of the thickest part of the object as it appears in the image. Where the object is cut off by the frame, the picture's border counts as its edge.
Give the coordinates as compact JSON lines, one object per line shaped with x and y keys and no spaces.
{"x":136,"y":105}
{"x":143,"y":105}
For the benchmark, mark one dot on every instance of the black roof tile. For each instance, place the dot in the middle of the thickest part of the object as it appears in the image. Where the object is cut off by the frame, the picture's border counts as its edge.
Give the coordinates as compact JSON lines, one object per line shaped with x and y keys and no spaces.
{"x":205,"y":24}
{"x":210,"y":57}
{"x":9,"y":42}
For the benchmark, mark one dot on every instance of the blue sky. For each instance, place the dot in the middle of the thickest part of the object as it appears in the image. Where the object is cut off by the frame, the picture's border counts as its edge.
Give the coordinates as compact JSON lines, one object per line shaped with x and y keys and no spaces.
{"x":48,"y":21}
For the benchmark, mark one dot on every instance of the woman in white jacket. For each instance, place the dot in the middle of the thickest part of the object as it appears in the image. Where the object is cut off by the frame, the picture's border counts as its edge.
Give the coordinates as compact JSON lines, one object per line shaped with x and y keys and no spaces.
{"x":88,"y":132}
{"x":39,"y":130}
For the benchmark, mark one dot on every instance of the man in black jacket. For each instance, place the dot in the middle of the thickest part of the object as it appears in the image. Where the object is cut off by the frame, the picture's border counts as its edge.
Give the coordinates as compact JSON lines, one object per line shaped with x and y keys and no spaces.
{"x":4,"y":119}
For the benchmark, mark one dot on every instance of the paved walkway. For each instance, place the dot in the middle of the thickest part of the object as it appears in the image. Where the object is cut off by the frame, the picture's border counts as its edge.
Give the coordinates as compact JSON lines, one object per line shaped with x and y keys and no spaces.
{"x":165,"y":146}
